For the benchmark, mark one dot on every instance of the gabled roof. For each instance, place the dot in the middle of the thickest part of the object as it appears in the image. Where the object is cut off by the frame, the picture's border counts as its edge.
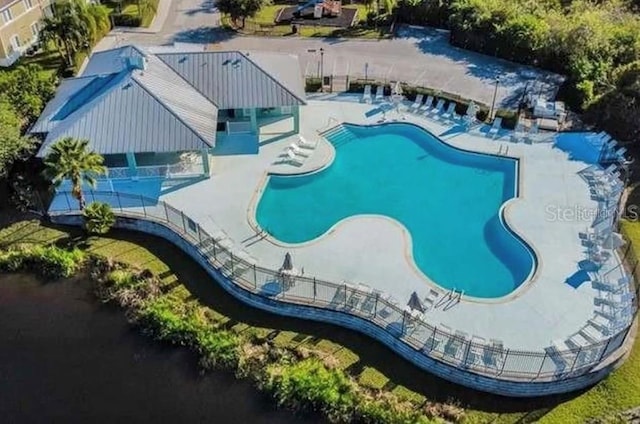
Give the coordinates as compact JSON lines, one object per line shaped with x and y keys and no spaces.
{"x":131,"y":101}
{"x":232,"y":80}
{"x":111,"y":61}
{"x":135,"y":110}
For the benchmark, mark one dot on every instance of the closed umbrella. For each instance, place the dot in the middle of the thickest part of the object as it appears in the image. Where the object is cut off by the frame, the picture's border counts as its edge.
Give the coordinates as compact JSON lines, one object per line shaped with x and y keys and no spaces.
{"x":414,"y":302}
{"x":287,"y":265}
{"x":613,"y":241}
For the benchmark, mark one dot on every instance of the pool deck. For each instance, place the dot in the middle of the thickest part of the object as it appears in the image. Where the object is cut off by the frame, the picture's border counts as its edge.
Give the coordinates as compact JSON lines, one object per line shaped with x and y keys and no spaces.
{"x":376,"y":250}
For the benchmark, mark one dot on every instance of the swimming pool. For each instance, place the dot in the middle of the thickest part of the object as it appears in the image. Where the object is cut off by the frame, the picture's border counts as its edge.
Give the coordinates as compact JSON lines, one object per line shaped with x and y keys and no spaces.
{"x":449,"y":201}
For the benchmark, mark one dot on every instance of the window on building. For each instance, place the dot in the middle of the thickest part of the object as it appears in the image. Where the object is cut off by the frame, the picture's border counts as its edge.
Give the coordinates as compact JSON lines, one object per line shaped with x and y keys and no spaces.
{"x":15,"y":42}
{"x":6,"y":16}
{"x":28,"y":4}
{"x":35,"y":29}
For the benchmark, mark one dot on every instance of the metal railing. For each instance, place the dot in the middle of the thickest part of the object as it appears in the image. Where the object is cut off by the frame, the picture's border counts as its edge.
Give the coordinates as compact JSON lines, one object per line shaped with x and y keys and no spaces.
{"x":454,"y":348}
{"x":180,"y":169}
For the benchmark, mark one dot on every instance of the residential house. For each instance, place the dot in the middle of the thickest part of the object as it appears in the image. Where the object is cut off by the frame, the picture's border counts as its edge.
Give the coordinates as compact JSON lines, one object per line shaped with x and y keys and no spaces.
{"x":19,"y":26}
{"x":164,"y":114}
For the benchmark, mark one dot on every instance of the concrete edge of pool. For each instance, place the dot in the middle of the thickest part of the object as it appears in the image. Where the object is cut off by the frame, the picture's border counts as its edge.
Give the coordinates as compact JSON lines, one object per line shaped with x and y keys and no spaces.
{"x":502,"y":213}
{"x":456,"y":374}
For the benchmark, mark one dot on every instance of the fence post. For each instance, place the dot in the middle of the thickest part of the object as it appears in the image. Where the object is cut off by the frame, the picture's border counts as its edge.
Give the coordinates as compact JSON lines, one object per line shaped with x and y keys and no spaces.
{"x":504,"y":363}
{"x":466,"y":353}
{"x":375,"y":305}
{"x":404,"y":318}
{"x":544,"y":358}
{"x":166,"y":212}
{"x":315,"y":288}
{"x":576,"y":359}
{"x":255,"y":278}
{"x":119,"y":202}
{"x":345,"y":295}
{"x":184,"y":223}
{"x":144,"y":210}
{"x":606,"y":347}
{"x":214,"y":251}
{"x":232,"y":269}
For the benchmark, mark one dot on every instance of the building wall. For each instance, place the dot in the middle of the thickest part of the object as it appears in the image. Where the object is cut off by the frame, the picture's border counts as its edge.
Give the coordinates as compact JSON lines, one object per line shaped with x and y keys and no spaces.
{"x":20,"y":25}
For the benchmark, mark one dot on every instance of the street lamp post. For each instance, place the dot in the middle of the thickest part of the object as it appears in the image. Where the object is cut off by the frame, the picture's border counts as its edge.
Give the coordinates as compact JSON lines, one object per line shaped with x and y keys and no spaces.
{"x":366,"y":71}
{"x":322,"y":66}
{"x":493,"y":102}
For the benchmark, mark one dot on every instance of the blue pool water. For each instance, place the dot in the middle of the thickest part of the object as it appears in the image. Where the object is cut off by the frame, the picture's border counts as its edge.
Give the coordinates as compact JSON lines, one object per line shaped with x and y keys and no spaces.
{"x":447,"y":199}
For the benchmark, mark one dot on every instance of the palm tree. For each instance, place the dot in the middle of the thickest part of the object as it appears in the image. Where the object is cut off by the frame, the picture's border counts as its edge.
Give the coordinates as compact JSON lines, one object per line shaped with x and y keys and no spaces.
{"x":70,"y":159}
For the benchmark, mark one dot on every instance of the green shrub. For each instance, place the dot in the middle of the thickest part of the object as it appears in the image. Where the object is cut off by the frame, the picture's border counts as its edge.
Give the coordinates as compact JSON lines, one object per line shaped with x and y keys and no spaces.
{"x":312,"y":85}
{"x":98,"y":218}
{"x":121,"y":279}
{"x":173,"y":320}
{"x":121,"y":19}
{"x":47,"y":261}
{"x":310,"y":385}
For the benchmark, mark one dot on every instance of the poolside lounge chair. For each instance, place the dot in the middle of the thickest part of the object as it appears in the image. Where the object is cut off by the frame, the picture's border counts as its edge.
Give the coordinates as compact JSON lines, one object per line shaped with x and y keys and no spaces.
{"x":427,"y":104}
{"x":495,"y":127}
{"x":298,"y":151}
{"x":417,"y":103}
{"x":434,"y":341}
{"x":518,"y":134}
{"x":379,"y":93}
{"x":591,"y":333}
{"x":437,"y":108}
{"x":602,"y":323}
{"x":291,"y":157}
{"x":529,"y":137}
{"x":431,"y":299}
{"x":306,"y":144}
{"x":493,"y":354}
{"x":475,"y":351}
{"x":366,"y":96}
{"x":451,"y":110}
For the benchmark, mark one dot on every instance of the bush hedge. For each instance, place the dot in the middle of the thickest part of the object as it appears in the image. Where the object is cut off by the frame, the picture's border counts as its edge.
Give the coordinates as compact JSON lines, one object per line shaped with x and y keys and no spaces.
{"x":49,"y":262}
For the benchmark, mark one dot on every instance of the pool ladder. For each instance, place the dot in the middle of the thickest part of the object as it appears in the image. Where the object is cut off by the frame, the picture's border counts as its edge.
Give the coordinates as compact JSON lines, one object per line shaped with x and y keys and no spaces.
{"x":506,"y":150}
{"x":451,"y":299}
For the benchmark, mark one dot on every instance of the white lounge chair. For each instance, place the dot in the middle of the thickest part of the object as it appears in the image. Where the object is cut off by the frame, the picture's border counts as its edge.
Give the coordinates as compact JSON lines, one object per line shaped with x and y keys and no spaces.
{"x":437,"y":108}
{"x":297,"y":150}
{"x":366,"y":96}
{"x":290,"y":156}
{"x":431,"y":298}
{"x":451,"y":110}
{"x":427,"y":104}
{"x":417,"y":103}
{"x":495,"y":127}
{"x":306,"y":144}
{"x":533,"y":131}
{"x":518,"y":134}
{"x":379,"y":93}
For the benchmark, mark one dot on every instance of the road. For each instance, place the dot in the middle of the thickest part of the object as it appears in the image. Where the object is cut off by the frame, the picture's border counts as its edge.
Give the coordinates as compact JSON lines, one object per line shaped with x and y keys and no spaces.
{"x":418,"y":56}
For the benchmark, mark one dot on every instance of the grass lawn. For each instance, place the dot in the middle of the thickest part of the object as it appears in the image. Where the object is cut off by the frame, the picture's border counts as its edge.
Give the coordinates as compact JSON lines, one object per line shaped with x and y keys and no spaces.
{"x":264,"y":24}
{"x":49,"y":59}
{"x":370,"y":363}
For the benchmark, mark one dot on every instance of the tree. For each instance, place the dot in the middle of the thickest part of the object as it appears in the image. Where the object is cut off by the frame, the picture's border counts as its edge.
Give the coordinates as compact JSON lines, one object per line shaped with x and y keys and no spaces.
{"x":27,"y":89}
{"x":241,"y":9}
{"x":70,"y":159}
{"x":74,"y":26}
{"x":13,"y":145}
{"x":146,"y":7}
{"x":98,"y":218}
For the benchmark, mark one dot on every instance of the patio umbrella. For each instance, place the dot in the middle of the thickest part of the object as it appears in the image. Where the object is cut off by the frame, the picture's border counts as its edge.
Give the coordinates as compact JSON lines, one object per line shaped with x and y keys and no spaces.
{"x":287,"y":265}
{"x":414,"y":302}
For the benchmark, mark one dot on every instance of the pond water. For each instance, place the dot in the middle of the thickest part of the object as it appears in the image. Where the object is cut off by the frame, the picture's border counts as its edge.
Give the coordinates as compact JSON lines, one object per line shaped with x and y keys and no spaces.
{"x":66,"y":358}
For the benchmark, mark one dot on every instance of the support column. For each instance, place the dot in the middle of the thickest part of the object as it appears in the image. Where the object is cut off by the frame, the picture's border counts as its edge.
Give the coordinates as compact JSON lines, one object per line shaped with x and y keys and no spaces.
{"x":254,"y":121}
{"x":131,"y":163}
{"x":205,"y":162}
{"x":295,"y":110}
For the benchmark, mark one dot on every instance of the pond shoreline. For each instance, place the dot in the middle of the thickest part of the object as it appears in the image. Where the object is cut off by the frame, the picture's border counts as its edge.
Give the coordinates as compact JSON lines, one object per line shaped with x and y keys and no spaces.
{"x":67,"y":357}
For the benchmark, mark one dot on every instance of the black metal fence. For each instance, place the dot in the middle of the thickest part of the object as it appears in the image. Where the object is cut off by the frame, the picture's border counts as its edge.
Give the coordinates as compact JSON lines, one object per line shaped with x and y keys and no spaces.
{"x":476,"y":355}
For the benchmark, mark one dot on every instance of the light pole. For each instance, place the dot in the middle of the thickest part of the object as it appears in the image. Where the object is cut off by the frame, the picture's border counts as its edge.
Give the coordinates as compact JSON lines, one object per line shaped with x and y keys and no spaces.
{"x":493,"y":102}
{"x":366,"y":71}
{"x":322,"y":66}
